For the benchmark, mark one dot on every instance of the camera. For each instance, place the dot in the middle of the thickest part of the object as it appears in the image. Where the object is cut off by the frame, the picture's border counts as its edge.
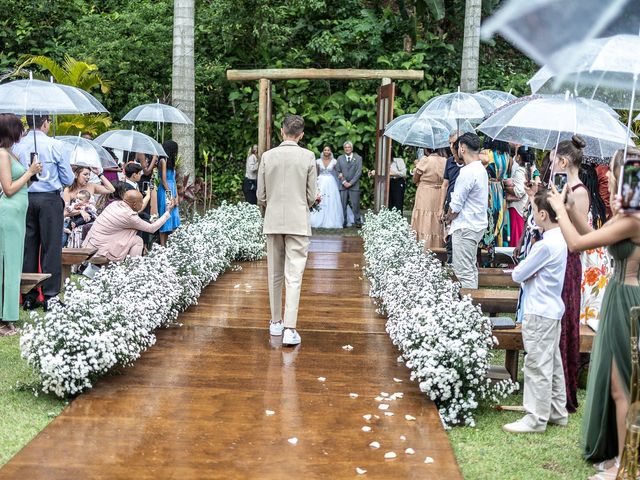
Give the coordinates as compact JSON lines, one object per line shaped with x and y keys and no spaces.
{"x":630,"y":185}
{"x":560,"y":180}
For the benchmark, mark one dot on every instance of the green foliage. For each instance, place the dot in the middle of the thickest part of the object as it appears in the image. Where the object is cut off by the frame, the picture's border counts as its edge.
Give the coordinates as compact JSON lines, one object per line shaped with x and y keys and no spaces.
{"x":131,"y":42}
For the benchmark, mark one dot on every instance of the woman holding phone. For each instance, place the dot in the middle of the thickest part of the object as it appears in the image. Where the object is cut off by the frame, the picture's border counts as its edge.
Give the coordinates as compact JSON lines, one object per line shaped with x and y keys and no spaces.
{"x":603,"y":429}
{"x":566,"y":161}
{"x":168,"y":189}
{"x":81,"y":182}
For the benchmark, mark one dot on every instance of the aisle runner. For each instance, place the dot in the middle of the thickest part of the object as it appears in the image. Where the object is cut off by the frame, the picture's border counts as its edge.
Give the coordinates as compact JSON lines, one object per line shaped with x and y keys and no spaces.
{"x":216,"y":398}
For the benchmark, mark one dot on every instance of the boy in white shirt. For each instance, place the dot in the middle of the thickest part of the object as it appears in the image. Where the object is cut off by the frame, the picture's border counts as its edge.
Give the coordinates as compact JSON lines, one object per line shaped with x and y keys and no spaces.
{"x":542,"y":276}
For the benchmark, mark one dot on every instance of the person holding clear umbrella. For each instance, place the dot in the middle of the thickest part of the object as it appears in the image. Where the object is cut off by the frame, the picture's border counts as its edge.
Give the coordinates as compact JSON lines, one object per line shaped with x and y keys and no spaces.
{"x":45,"y":216}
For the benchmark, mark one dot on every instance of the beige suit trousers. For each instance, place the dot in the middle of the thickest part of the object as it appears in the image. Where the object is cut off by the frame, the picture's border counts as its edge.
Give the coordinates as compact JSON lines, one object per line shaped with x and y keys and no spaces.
{"x":286,"y":260}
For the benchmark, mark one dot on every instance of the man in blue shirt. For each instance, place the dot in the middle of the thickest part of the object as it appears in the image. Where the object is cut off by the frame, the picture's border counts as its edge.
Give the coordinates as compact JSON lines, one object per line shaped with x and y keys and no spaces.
{"x":45,"y":216}
{"x":451,"y":172}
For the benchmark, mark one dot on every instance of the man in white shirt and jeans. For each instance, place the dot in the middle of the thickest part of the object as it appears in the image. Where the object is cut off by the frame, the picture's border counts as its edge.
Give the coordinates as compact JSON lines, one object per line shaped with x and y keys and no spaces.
{"x":468,"y":211}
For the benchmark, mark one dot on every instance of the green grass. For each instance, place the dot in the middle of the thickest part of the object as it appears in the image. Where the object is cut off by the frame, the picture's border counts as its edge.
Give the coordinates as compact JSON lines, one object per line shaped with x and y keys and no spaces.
{"x":22,"y":414}
{"x":486,"y":452}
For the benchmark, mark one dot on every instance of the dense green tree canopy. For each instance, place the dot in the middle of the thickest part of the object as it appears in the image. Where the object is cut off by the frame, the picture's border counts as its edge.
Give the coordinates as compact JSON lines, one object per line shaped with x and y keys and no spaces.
{"x":130,"y":41}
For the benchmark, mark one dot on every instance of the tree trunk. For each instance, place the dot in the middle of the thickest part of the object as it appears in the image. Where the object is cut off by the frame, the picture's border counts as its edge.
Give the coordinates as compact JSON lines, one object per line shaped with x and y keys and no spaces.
{"x":471,"y":46}
{"x":183,"y":82}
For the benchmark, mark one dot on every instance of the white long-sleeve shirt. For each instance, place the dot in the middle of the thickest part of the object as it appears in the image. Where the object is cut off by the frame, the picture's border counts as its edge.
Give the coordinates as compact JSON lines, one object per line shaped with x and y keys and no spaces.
{"x":541,"y":274}
{"x":470,"y":198}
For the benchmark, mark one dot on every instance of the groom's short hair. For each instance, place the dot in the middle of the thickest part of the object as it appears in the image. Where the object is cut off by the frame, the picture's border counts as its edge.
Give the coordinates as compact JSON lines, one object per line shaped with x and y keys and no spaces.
{"x":293,"y":125}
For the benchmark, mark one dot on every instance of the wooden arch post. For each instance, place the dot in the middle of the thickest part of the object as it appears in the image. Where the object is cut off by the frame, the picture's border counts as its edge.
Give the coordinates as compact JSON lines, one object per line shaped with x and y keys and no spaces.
{"x":385,"y":108}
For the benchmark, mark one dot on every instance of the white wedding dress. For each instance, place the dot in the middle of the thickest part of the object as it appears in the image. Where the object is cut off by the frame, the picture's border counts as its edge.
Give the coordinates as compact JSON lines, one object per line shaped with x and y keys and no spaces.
{"x":330,"y":214}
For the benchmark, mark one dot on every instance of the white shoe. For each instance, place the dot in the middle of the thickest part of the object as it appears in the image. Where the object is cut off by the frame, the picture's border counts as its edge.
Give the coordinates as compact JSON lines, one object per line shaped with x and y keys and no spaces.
{"x":291,"y":337}
{"x":521,"y":426}
{"x":275,"y":328}
{"x":560,"y":422}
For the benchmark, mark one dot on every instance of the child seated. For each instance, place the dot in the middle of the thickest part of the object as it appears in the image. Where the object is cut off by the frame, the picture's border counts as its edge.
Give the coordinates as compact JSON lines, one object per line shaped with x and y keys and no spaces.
{"x":542,"y":276}
{"x":80,"y":211}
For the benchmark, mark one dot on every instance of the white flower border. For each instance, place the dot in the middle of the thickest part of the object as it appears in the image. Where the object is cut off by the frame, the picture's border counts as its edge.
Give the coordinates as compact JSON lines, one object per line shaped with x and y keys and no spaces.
{"x":110,"y":320}
{"x":444,"y":340}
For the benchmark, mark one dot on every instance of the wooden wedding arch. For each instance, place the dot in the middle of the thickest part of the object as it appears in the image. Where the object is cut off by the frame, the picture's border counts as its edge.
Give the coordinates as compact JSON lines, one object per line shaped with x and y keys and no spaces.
{"x":386,"y":94}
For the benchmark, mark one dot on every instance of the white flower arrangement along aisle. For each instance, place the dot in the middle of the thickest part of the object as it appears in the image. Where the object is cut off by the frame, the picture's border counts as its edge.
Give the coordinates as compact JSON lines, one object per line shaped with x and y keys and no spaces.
{"x":444,"y":340}
{"x":110,"y":320}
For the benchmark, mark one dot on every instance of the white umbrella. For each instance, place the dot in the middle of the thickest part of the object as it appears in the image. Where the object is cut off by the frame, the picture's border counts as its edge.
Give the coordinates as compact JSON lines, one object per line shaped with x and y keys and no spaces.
{"x":496,"y":97}
{"x":87,"y":153}
{"x":131,"y":141}
{"x":158,"y":113}
{"x":418,"y":132}
{"x":544,"y":121}
{"x":457,"y":106}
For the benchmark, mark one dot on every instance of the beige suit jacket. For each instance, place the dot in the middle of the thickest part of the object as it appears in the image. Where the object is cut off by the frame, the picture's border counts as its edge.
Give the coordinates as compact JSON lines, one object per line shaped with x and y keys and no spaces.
{"x":287,"y":189}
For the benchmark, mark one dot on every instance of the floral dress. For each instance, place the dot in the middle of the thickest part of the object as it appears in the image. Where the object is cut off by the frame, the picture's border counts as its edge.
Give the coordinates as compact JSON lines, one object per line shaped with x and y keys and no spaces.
{"x":596,"y":270}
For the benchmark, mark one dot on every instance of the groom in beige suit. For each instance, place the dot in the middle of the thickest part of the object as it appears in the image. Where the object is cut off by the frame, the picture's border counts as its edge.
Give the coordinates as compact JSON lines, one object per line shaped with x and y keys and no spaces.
{"x":286,"y":190}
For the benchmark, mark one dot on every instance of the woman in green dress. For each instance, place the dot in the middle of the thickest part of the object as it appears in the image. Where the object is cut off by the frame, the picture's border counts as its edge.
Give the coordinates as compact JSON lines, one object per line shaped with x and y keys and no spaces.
{"x":13,"y":210}
{"x":608,"y":397}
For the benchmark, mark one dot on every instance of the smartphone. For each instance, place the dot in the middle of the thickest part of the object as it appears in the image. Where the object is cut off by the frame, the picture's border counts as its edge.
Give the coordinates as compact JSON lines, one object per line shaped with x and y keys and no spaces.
{"x":34,"y":158}
{"x":527,"y":172}
{"x":560,"y":180}
{"x":630,"y":185}
{"x":145,"y":186}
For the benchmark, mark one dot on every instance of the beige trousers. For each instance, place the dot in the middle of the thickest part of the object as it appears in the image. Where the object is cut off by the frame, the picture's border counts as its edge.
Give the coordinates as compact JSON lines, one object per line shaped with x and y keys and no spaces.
{"x":465,"y":250}
{"x":544,"y":390}
{"x":286,"y":259}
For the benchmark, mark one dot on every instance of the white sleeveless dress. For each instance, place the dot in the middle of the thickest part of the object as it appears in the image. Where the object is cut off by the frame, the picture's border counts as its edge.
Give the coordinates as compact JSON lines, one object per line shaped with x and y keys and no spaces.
{"x":330,"y":214}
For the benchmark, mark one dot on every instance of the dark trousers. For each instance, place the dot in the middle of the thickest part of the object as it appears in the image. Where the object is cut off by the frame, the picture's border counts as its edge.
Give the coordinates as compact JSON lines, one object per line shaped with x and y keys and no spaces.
{"x":43,"y":240}
{"x":354,"y":198}
{"x":449,"y":246}
{"x":396,"y":193}
{"x":249,"y":188}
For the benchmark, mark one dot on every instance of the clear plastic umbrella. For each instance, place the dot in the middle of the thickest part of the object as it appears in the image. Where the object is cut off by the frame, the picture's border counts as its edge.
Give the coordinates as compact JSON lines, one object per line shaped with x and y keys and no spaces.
{"x":544,"y":121}
{"x":87,"y":153}
{"x":457,"y":106}
{"x":158,"y":113}
{"x":418,"y":131}
{"x":131,"y":141}
{"x":496,"y":97}
{"x":540,"y":28}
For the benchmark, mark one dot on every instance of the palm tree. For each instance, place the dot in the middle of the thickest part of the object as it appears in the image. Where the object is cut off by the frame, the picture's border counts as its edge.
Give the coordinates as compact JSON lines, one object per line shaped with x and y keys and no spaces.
{"x":183,"y":81}
{"x":77,"y":74}
{"x":471,"y":46}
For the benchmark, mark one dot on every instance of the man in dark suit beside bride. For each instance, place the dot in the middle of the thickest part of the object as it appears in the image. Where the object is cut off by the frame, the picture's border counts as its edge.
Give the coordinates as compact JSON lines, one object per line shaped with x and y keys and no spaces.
{"x":349,"y":168}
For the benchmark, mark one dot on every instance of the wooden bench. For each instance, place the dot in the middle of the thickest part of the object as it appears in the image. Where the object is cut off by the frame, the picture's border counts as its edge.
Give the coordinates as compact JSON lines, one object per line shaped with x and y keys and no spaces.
{"x":493,"y":277}
{"x":29,"y":281}
{"x":74,"y":256}
{"x":498,"y":259}
{"x":492,"y":300}
{"x":510,"y":340}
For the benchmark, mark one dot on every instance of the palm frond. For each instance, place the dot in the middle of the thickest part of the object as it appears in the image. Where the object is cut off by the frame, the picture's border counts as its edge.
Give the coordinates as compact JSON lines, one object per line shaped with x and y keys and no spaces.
{"x":57,"y":70}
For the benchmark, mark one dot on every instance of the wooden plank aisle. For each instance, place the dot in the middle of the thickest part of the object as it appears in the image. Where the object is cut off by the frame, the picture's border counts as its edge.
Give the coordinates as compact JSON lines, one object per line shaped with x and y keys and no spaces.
{"x":194,"y":405}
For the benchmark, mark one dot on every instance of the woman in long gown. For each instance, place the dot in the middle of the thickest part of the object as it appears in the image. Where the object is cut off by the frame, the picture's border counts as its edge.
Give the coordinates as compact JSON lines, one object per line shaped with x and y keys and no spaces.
{"x":429,"y":175}
{"x":608,"y":396}
{"x":168,"y":189}
{"x":329,"y":213}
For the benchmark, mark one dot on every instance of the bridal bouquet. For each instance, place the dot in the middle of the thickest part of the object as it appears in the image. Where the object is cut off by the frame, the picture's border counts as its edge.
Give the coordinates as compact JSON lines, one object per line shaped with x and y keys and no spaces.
{"x":444,"y":340}
{"x":316,"y":205}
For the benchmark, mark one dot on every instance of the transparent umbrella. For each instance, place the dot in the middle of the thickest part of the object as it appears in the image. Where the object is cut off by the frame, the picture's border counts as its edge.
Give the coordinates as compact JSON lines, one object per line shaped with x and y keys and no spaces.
{"x":540,"y":28}
{"x":87,"y":153}
{"x":131,"y":141}
{"x":457,"y":106}
{"x":418,"y":131}
{"x":544,"y":121}
{"x":496,"y":97}
{"x":158,"y":113}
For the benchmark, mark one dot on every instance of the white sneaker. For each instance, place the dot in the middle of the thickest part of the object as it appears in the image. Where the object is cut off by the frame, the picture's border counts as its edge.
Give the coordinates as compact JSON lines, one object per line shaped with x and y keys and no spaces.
{"x":275,"y":328}
{"x":522,"y":426}
{"x":291,"y":337}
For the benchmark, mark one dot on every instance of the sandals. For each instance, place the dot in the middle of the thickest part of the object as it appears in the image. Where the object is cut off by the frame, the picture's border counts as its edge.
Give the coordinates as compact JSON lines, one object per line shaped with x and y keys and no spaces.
{"x":8,"y":330}
{"x":607,"y":464}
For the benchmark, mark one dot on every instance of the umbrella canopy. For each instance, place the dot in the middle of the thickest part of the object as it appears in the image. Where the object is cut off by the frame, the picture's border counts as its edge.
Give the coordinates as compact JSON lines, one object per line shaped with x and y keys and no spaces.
{"x":606,"y":69}
{"x":36,"y":97}
{"x":157,"y":112}
{"x":456,"y":106}
{"x":131,"y":141}
{"x":496,"y":97}
{"x":87,"y":153}
{"x":418,"y":132}
{"x":544,"y":121}
{"x":540,"y":28}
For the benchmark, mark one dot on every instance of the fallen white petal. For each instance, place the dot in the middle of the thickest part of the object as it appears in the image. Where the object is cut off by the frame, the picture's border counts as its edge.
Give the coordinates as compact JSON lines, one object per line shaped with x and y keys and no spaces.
{"x":403,"y":438}
{"x":392,"y":397}
{"x":374,"y":445}
{"x":376,"y":417}
{"x":269,"y":412}
{"x":390,"y":455}
{"x":428,"y":460}
{"x":367,"y":417}
{"x":399,"y":394}
{"x":360,"y":471}
{"x":293,"y":440}
{"x":236,"y":286}
{"x":388,"y":414}
{"x":353,"y":395}
{"x":378,"y":399}
{"x":355,"y":265}
{"x":347,"y":347}
{"x":410,"y":451}
{"x":366,"y":428}
{"x":397,"y":380}
{"x":410,"y":418}
{"x":321,"y":379}
{"x":384,"y":394}
{"x":383,"y":406}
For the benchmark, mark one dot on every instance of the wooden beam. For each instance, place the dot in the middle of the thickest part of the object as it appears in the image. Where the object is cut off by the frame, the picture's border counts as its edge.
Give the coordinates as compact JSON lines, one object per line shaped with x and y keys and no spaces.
{"x":263,"y":109}
{"x":322,"y":74}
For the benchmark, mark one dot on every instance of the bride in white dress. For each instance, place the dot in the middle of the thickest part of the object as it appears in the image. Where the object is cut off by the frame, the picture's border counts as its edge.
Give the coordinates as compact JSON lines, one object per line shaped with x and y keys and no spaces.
{"x":330,"y":213}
